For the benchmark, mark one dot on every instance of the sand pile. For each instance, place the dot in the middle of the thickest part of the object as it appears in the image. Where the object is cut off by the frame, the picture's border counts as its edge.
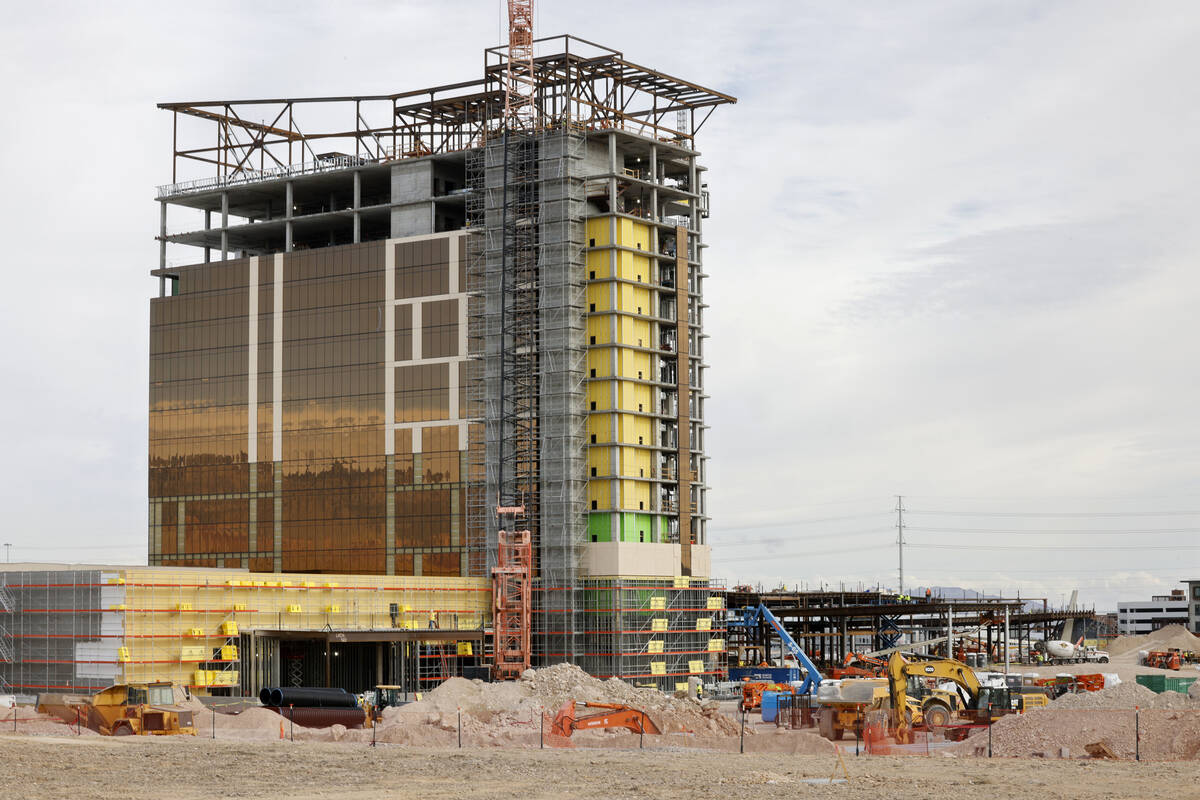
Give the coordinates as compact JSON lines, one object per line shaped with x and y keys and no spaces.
{"x":511,"y":711}
{"x":1161,"y":639}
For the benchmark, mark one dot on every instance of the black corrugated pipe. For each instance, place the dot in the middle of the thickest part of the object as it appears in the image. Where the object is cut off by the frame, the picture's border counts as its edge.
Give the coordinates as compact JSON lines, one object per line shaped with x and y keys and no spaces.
{"x":307,"y":697}
{"x":309,"y":717}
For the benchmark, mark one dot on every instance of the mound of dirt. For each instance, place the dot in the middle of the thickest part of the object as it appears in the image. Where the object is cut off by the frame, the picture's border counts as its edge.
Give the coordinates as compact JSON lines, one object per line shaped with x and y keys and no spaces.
{"x":31,"y":723}
{"x":1167,"y":724}
{"x":1125,"y":695}
{"x":1161,"y":639}
{"x":513,"y":709}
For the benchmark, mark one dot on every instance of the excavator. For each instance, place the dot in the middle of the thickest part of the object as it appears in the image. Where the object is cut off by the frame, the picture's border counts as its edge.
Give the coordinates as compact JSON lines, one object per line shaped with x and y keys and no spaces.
{"x":978,"y":704}
{"x":858,"y":665}
{"x":616,"y":716}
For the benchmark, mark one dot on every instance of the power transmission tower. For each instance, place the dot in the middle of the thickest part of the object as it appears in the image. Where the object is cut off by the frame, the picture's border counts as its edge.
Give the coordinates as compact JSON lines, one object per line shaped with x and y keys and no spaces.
{"x":900,"y":538}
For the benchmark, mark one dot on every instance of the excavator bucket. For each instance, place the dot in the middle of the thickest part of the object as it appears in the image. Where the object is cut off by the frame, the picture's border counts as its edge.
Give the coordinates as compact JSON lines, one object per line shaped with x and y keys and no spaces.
{"x":564,"y":719}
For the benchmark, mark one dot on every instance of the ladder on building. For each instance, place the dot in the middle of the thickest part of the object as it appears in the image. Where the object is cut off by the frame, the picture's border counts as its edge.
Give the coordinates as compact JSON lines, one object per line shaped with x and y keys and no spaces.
{"x":8,"y":605}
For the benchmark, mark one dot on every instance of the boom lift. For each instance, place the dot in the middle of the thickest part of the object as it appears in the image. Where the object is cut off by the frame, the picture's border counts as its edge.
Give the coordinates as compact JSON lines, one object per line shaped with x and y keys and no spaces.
{"x":750,"y":615}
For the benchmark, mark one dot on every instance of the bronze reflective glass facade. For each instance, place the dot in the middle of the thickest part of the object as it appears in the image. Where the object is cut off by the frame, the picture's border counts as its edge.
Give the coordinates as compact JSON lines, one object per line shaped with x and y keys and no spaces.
{"x":307,"y":411}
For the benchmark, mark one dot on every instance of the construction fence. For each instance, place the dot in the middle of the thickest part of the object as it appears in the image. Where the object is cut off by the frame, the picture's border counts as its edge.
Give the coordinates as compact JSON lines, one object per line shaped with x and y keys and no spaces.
{"x":1145,"y":735}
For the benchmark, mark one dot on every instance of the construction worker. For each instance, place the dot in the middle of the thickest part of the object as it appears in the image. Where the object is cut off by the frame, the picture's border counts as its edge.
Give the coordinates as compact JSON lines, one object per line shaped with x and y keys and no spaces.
{"x":928,"y":594}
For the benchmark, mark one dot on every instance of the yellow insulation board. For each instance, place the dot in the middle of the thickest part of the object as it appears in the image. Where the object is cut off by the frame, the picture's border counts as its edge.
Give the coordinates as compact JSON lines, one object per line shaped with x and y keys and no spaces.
{"x":209,"y":608}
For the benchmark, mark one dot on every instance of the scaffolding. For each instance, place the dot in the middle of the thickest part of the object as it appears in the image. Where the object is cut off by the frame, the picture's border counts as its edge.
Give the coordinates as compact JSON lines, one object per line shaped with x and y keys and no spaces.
{"x":528,"y":319}
{"x":83,"y":630}
{"x":653,"y":631}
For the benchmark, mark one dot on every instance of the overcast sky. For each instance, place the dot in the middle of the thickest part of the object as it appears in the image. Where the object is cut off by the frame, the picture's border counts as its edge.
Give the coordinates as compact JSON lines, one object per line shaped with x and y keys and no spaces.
{"x":951,"y":258}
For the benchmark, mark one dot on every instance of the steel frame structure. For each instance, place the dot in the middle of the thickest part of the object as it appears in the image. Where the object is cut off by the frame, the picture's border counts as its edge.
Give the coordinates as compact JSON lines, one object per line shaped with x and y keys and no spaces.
{"x":575,"y":82}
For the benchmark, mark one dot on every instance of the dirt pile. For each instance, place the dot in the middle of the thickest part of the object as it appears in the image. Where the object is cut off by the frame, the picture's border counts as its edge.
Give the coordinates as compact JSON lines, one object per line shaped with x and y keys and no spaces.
{"x":512,"y":710}
{"x":1125,"y":695}
{"x":1161,"y":639}
{"x":30,"y":723}
{"x":1168,"y":725}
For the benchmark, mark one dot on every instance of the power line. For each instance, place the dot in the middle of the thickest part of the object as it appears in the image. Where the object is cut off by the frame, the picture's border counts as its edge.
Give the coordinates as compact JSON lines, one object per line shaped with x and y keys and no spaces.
{"x":88,"y":547}
{"x":807,"y":521}
{"x":1045,"y":531}
{"x":1074,"y":548}
{"x":1057,"y":514}
{"x":810,"y":537}
{"x":1108,"y":570}
{"x":776,"y":555}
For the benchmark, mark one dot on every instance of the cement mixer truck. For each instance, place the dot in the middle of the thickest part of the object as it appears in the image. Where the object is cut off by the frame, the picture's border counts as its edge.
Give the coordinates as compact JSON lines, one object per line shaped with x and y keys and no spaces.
{"x":1057,"y":651}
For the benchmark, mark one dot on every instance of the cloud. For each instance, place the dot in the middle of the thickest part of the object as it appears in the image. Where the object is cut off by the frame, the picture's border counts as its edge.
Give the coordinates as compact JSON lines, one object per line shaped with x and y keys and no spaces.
{"x":951,"y":252}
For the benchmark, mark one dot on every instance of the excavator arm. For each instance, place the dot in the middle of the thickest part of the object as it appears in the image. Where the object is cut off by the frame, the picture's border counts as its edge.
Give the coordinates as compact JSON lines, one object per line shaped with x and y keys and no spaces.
{"x":617,"y":716}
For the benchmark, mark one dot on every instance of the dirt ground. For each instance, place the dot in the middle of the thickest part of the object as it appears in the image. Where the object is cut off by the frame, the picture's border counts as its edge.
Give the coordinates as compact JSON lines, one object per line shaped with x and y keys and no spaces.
{"x":187,"y":768}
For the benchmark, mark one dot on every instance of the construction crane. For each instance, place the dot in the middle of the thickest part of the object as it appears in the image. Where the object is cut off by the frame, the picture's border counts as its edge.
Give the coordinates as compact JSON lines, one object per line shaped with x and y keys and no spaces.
{"x":750,"y":616}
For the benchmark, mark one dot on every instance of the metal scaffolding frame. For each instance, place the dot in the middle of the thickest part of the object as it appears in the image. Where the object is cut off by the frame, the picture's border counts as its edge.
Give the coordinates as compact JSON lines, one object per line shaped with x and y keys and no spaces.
{"x":653,"y":631}
{"x":528,"y":318}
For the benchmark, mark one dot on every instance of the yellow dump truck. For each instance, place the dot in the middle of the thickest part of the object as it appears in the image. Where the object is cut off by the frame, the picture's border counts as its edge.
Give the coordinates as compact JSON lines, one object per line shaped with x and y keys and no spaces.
{"x":125,"y":709}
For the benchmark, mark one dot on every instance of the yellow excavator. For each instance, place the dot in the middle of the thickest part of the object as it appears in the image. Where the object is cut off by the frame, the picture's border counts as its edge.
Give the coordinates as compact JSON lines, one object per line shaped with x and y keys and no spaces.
{"x":977,"y":705}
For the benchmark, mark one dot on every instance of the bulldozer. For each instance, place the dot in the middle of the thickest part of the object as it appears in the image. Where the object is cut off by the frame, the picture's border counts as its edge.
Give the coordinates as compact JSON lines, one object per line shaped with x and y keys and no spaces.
{"x":126,"y":709}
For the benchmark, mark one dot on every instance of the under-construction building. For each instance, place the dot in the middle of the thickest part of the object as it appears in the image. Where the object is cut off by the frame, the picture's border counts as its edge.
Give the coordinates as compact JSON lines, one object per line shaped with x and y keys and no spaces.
{"x":396,"y":314}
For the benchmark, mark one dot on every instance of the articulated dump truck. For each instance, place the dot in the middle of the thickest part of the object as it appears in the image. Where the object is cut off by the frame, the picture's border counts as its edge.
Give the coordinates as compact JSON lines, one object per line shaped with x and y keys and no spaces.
{"x":126,"y":709}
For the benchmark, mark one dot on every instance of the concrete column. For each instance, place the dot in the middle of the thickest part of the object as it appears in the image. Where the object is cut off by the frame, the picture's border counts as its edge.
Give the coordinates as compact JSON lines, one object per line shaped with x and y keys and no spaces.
{"x":162,"y":234}
{"x":654,"y":192}
{"x":207,"y":227}
{"x":287,"y":239}
{"x":694,"y":187}
{"x":224,"y":225}
{"x":357,"y":205}
{"x":162,"y":247}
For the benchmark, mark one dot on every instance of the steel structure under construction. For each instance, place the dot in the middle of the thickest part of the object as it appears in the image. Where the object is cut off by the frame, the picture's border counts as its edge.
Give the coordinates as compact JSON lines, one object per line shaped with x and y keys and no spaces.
{"x":830,"y":625}
{"x":382,"y":318}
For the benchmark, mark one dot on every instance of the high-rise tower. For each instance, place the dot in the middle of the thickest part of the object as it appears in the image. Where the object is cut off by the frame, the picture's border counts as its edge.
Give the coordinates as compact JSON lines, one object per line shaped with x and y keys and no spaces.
{"x":399,"y":321}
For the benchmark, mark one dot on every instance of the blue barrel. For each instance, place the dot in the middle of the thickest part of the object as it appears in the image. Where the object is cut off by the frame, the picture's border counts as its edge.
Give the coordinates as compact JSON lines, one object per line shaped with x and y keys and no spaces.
{"x":770,"y":706}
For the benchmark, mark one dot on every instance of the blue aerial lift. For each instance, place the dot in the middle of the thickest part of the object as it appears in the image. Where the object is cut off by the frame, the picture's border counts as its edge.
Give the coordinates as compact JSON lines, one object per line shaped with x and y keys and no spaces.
{"x":748,"y":619}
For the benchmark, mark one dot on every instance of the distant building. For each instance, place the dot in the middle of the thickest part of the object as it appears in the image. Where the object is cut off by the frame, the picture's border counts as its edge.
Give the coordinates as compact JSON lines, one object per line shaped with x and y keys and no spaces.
{"x":1141,"y":616}
{"x":1193,"y":606}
